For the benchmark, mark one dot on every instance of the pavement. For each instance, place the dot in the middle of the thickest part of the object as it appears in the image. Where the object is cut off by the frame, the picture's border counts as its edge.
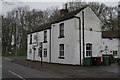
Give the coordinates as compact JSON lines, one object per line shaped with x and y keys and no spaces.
{"x":69,"y":71}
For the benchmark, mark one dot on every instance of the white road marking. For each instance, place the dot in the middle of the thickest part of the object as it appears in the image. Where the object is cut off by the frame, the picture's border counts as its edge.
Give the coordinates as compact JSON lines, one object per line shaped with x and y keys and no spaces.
{"x":17,"y":75}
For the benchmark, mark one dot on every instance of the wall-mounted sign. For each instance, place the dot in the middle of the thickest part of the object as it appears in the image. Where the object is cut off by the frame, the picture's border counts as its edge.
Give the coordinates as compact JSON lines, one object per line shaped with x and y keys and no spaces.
{"x":36,"y":37}
{"x":35,"y":44}
{"x":40,"y":44}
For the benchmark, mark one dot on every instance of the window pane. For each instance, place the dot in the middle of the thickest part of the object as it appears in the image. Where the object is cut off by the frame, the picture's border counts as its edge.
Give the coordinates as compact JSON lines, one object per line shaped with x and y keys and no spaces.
{"x":61,"y":53}
{"x":61,"y":50}
{"x":88,"y":49}
{"x":45,"y":52}
{"x":61,"y":47}
{"x":114,"y":53}
{"x":31,"y":39}
{"x":45,"y":35}
{"x":62,"y":29}
{"x":30,"y":51}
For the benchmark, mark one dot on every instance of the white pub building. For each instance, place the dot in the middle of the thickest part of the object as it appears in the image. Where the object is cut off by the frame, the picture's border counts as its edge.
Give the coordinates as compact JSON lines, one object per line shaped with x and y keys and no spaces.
{"x":68,"y":40}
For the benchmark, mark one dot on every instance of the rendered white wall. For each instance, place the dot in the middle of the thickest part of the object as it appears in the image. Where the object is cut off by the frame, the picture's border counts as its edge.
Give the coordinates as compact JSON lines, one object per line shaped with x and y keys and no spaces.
{"x":35,"y":56}
{"x":71,"y":57}
{"x":112,"y":45}
{"x":94,"y":37}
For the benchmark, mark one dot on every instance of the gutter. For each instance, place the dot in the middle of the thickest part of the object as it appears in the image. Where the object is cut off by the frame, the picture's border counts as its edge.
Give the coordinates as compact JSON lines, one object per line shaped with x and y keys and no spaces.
{"x":50,"y":48}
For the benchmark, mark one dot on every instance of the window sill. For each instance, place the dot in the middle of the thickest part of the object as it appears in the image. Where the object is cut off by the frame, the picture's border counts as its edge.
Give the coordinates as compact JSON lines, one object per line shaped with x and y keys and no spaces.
{"x":61,"y":37}
{"x":61,"y":57}
{"x":44,"y":41}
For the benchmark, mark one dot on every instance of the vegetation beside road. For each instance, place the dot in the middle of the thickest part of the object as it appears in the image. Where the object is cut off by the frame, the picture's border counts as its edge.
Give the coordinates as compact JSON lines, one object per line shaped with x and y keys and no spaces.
{"x":19,"y":53}
{"x":28,"y":20}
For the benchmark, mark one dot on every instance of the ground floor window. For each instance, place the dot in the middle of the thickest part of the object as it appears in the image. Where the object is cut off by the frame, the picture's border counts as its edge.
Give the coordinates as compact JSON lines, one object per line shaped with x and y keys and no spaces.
{"x":115,"y":53}
{"x":88,"y":49}
{"x":61,"y":51}
{"x":30,"y":51}
{"x":45,"y":52}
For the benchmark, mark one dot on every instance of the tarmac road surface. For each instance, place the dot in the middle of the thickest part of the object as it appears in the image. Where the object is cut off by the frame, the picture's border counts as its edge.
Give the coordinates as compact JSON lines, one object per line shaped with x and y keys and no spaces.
{"x":12,"y":70}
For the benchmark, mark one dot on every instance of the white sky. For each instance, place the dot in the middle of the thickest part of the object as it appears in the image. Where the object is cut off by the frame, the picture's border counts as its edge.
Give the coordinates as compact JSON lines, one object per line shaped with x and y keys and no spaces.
{"x":43,"y":4}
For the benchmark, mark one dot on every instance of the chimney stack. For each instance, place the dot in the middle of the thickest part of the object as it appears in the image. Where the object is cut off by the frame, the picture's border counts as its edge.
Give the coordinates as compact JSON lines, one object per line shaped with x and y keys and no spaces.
{"x":64,"y":11}
{"x":66,"y":6}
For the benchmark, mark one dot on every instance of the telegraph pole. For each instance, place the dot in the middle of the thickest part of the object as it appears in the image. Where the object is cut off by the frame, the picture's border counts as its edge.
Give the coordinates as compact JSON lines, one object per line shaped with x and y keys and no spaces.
{"x":16,"y":35}
{"x":119,"y":27}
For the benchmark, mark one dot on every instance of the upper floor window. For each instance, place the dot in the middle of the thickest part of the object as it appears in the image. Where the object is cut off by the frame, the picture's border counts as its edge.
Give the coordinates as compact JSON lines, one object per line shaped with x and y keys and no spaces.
{"x":30,"y":38}
{"x":61,"y":30}
{"x":45,"y":36}
{"x":88,"y":49}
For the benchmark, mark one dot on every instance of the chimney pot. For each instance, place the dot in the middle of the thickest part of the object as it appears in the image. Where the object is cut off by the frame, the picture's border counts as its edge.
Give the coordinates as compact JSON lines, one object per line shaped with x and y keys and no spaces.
{"x":64,"y":11}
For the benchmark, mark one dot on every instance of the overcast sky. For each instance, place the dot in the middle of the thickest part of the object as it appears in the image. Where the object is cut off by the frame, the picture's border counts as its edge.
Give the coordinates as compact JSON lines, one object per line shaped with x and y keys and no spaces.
{"x":8,"y":5}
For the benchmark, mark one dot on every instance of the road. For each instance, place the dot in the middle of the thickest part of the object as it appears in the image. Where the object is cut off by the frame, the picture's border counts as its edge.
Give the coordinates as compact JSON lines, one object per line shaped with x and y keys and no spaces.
{"x":12,"y":70}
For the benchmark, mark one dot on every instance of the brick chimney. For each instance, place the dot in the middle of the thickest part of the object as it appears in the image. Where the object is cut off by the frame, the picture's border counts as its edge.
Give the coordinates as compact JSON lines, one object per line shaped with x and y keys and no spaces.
{"x":64,"y":11}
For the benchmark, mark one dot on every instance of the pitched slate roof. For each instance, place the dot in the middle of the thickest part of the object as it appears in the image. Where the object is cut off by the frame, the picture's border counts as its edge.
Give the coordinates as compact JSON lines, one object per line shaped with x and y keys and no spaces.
{"x":62,"y":18}
{"x":41,"y":27}
{"x":69,"y":15}
{"x":110,"y":34}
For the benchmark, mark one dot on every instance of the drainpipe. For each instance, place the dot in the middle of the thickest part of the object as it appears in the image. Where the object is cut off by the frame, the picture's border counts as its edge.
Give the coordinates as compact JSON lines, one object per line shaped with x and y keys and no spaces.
{"x":79,"y":36}
{"x":50,"y":47}
{"x":83,"y":34}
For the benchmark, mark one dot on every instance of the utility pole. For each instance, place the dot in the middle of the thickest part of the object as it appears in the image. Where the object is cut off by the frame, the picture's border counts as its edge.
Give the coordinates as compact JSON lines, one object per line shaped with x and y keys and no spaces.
{"x":16,"y":35}
{"x":119,"y":27}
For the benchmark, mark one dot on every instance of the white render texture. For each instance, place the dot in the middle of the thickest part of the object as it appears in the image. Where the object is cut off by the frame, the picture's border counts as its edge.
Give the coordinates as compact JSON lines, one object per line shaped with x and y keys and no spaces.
{"x":112,"y":45}
{"x":36,"y":56}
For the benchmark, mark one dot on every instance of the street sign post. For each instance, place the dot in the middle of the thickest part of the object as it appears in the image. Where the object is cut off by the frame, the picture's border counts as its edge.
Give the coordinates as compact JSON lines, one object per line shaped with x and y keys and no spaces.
{"x":40,"y":45}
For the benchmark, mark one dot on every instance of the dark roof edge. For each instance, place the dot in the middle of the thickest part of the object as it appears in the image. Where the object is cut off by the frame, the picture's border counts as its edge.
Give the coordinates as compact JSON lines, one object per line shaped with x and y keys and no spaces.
{"x":71,"y":16}
{"x":62,"y":20}
{"x":38,"y":30}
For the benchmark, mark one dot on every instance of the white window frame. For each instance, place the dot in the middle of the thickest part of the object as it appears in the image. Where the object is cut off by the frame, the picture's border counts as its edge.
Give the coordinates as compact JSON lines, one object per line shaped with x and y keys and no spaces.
{"x":30,"y":38}
{"x":115,"y":52}
{"x":61,"y":33}
{"x":45,"y":52}
{"x":61,"y":50}
{"x":30,"y":51}
{"x":89,"y":51}
{"x":45,"y":36}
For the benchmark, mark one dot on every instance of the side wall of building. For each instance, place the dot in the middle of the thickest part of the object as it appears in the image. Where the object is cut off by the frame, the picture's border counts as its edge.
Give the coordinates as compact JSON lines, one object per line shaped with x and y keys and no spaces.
{"x":92,"y":32}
